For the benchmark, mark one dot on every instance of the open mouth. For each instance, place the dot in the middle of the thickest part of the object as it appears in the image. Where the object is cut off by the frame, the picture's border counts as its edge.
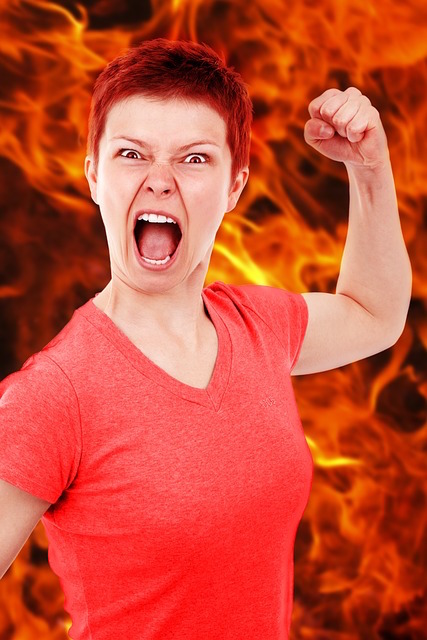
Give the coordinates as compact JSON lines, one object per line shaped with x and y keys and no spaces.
{"x":157,"y":241}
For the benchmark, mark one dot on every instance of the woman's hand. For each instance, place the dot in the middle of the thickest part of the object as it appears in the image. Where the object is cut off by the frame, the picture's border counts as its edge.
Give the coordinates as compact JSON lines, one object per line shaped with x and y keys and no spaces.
{"x":344,"y":126}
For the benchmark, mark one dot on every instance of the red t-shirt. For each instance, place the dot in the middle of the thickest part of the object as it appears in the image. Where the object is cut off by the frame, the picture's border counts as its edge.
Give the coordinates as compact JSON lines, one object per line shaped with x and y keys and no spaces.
{"x":174,"y":509}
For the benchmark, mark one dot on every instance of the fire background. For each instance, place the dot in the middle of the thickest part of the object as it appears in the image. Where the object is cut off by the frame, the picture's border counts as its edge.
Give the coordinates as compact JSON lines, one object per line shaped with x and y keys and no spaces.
{"x":360,"y":555}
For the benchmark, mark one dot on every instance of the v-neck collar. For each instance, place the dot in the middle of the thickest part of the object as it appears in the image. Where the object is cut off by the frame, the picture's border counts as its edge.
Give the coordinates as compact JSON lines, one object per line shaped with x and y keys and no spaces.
{"x":211,"y":396}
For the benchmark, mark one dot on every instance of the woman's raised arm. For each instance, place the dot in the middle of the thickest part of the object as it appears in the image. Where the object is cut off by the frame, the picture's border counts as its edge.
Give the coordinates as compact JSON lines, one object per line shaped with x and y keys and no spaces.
{"x":367,"y":313}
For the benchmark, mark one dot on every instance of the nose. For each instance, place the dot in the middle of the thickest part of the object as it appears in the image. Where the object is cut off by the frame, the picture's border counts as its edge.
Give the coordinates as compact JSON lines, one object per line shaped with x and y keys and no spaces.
{"x":159,"y":179}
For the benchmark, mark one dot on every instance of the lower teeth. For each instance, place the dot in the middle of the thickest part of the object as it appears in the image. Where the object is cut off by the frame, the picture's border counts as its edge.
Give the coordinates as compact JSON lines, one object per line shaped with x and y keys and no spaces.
{"x":156,"y":261}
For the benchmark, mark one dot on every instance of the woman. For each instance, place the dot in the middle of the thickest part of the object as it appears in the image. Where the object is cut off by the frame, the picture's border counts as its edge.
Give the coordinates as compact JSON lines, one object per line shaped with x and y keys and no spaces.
{"x":157,"y":434}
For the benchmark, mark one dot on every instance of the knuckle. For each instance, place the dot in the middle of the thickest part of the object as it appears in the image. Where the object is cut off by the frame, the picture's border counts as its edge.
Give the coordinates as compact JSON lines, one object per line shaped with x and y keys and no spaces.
{"x":339,"y":123}
{"x":327,"y":93}
{"x":339,"y":120}
{"x":327,"y":110}
{"x":323,"y":111}
{"x":356,"y":124}
{"x":353,"y":90}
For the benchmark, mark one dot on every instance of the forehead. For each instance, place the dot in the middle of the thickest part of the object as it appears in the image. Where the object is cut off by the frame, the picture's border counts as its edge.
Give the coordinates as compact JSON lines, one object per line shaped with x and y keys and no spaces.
{"x":159,"y":120}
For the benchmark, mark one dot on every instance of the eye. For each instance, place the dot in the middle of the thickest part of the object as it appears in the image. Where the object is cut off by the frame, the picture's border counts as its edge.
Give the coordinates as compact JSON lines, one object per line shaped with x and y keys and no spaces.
{"x":197,"y":156}
{"x":127,"y":153}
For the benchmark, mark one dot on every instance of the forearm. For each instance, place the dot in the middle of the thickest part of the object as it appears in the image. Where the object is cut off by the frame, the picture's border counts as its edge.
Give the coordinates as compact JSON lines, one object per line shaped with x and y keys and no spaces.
{"x":375,"y":268}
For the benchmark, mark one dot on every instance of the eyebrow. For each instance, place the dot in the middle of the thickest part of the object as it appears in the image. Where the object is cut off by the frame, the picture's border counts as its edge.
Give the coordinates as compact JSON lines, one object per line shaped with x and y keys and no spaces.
{"x":184,"y":147}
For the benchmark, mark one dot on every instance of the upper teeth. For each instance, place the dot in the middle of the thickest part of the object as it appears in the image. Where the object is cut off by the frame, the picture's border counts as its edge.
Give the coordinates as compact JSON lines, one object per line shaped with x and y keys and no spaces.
{"x":153,"y":217}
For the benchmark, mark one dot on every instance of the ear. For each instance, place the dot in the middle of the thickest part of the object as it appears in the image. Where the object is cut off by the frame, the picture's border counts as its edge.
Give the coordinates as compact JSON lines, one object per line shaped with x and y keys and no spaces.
{"x":91,"y":177}
{"x":237,"y":188}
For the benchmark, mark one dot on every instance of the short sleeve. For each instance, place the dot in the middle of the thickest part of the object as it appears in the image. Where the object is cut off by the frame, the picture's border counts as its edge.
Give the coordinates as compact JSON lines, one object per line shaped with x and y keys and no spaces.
{"x":40,"y":441}
{"x":285,"y":313}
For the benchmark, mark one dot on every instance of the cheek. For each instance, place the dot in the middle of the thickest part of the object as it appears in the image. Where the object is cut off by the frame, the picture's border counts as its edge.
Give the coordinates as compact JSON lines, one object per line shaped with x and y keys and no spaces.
{"x":208,"y":211}
{"x":114,"y":181}
{"x":208,"y":194}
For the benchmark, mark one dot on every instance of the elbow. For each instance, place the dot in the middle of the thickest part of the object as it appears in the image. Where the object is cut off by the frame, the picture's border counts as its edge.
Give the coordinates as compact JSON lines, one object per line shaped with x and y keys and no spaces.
{"x":388,"y":328}
{"x":382,"y":337}
{"x":395,"y":327}
{"x":394,"y":335}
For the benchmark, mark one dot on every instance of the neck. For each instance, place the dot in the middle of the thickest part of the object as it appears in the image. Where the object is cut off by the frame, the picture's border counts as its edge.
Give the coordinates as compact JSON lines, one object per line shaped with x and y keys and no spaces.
{"x":178,"y":313}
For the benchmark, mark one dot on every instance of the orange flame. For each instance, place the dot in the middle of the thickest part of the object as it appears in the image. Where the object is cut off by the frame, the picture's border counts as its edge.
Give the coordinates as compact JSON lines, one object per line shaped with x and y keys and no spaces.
{"x":360,"y":548}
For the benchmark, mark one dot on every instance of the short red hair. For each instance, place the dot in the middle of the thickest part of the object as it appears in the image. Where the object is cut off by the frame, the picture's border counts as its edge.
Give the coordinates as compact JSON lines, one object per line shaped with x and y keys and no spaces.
{"x":175,"y":69}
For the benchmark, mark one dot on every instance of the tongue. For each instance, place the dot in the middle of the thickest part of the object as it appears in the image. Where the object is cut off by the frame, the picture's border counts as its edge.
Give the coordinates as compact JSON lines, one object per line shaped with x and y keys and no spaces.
{"x":156,"y":241}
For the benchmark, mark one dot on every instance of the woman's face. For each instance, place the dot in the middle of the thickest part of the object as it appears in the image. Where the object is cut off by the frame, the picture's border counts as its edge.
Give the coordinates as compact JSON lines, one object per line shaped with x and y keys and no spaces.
{"x":163,"y":155}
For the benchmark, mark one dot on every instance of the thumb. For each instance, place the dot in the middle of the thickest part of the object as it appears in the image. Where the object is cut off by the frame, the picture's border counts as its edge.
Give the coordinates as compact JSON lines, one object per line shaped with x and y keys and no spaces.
{"x":316,"y":129}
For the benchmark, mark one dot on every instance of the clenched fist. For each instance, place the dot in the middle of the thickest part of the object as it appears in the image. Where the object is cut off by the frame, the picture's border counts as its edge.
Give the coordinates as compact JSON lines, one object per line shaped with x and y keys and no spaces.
{"x":345,"y":126}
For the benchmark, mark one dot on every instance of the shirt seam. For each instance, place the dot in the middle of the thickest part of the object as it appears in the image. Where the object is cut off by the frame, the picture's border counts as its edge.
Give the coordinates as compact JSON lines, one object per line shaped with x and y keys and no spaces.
{"x":78,"y":412}
{"x":266,"y":324}
{"x":302,"y":334}
{"x":77,"y":565}
{"x":303,"y":318}
{"x":230,"y":367}
{"x":244,"y":304}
